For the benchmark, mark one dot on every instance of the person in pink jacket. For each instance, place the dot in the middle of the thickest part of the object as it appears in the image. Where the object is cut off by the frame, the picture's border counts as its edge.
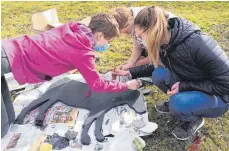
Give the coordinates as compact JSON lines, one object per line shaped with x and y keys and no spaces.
{"x":38,"y":58}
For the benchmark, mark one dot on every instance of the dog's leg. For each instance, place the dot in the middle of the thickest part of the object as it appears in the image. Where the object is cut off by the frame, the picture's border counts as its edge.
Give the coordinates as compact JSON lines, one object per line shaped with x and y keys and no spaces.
{"x":33,"y":105}
{"x":42,"y":110}
{"x":98,"y":127}
{"x":85,"y":138}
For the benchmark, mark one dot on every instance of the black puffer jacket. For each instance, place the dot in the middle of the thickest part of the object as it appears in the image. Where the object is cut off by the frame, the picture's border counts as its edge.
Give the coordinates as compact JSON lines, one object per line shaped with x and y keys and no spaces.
{"x":196,"y":58}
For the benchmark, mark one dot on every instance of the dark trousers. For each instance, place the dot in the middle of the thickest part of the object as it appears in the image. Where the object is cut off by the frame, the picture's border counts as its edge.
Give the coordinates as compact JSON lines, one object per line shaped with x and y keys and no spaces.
{"x":189,"y":105}
{"x":7,"y":109}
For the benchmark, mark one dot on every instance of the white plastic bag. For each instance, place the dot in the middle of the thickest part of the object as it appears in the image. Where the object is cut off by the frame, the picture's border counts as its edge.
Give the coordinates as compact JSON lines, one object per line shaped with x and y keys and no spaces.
{"x":126,"y":140}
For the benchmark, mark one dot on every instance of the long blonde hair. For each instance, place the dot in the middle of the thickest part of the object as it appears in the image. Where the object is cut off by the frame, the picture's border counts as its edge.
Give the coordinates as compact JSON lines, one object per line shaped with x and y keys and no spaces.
{"x":153,"y":19}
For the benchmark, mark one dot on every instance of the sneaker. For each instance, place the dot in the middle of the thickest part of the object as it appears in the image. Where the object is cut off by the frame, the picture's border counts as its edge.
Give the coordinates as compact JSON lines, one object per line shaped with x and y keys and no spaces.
{"x":162,"y":107}
{"x":186,"y":130}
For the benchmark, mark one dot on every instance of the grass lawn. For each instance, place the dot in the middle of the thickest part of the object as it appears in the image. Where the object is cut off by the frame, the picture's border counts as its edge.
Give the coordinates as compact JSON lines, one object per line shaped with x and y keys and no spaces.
{"x":212,"y":17}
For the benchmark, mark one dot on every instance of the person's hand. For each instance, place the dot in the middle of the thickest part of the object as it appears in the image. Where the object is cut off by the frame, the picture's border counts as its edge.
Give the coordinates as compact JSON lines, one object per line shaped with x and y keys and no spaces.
{"x":133,"y":84}
{"x":174,"y":90}
{"x":124,"y":66}
{"x":119,"y":67}
{"x":118,"y":72}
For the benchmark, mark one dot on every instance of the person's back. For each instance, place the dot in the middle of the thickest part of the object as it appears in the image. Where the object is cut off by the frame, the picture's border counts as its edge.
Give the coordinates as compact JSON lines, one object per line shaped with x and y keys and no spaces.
{"x":39,"y":58}
{"x":48,"y":54}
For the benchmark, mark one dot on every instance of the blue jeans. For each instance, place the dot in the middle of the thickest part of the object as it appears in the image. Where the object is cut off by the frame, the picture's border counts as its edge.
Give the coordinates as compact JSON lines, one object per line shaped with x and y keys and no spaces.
{"x":189,"y":105}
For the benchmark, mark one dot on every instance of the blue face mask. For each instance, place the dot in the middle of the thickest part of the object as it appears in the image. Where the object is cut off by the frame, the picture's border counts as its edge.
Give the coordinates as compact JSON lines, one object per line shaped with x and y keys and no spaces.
{"x":99,"y":48}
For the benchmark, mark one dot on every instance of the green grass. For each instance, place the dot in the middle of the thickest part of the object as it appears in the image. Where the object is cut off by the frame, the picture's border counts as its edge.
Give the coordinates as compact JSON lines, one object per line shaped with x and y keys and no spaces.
{"x":211,"y":17}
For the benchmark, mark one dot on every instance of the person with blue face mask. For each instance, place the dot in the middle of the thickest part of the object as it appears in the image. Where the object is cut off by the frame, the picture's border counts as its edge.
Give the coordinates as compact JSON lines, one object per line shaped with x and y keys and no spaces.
{"x":38,"y":58}
{"x":101,"y":43}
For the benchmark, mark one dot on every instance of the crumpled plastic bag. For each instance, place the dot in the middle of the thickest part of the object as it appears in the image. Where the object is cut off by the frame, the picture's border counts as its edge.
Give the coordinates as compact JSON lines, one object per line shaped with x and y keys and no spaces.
{"x":126,"y":140}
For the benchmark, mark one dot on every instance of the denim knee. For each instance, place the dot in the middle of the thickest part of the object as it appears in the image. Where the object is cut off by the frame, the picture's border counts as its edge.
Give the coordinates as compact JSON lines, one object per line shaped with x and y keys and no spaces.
{"x":193,"y":103}
{"x":178,"y":104}
{"x":161,"y":78}
{"x":158,"y":74}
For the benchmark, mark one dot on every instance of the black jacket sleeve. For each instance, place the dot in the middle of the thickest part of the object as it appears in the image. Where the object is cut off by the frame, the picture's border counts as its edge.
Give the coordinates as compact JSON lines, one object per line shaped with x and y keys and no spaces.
{"x":213,"y":61}
{"x":141,"y":71}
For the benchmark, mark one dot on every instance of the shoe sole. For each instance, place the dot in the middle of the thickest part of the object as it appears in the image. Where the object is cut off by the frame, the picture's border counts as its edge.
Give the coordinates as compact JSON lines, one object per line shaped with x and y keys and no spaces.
{"x":160,"y":111}
{"x":183,"y":139}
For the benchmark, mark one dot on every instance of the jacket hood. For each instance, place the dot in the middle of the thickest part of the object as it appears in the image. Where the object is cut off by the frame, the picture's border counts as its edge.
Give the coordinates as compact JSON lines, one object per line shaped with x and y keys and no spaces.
{"x":181,"y":29}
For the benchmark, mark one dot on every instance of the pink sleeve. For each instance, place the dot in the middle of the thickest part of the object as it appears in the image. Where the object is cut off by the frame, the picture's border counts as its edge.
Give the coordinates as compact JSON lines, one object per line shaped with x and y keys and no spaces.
{"x":87,"y":68}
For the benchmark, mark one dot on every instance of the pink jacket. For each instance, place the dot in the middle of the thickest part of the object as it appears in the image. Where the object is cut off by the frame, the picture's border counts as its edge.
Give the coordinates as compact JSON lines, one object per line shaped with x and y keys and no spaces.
{"x":51,"y":53}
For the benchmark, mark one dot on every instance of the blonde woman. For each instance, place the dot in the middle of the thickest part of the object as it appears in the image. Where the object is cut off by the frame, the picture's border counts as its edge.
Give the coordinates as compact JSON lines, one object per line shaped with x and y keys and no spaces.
{"x":187,"y":64}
